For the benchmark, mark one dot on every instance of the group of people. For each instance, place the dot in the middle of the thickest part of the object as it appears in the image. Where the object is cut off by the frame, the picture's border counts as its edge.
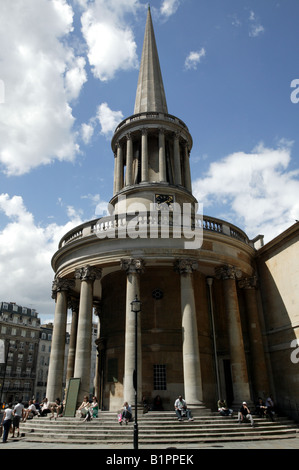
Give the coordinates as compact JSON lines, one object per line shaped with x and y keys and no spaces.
{"x":87,"y":409}
{"x":13,"y":415}
{"x":180,"y":407}
{"x":262,"y":410}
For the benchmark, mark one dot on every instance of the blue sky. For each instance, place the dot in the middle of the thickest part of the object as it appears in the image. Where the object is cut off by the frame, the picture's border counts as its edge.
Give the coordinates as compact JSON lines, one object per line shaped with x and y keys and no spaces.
{"x":68,"y":75}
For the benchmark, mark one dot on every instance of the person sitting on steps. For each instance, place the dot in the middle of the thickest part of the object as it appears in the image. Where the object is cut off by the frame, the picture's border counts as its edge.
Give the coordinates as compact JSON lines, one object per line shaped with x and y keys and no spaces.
{"x":181,"y":410}
{"x":244,"y":413}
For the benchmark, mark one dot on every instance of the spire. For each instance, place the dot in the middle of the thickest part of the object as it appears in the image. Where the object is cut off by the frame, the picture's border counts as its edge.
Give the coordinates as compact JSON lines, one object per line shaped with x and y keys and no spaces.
{"x":150,"y":94}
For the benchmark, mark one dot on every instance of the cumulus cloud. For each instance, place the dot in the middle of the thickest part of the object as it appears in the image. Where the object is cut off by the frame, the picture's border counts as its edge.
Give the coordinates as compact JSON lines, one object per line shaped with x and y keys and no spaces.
{"x":194,"y":58}
{"x":106,"y":118}
{"x":110,"y":42}
{"x":258,"y":187}
{"x":26,"y":249}
{"x":42,"y":74}
{"x":169,"y":7}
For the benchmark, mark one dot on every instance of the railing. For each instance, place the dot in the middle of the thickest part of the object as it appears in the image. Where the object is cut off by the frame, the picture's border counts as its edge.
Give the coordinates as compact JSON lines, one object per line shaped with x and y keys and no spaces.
{"x":103,"y":226}
{"x":151,"y":115}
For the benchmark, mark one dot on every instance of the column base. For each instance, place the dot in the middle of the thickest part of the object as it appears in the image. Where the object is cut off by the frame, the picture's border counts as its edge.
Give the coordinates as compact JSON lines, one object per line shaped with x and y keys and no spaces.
{"x":198,"y":409}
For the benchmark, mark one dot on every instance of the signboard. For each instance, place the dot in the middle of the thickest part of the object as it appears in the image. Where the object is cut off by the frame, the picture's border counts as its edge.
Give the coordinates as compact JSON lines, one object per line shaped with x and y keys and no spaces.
{"x":71,"y":398}
{"x":2,"y":351}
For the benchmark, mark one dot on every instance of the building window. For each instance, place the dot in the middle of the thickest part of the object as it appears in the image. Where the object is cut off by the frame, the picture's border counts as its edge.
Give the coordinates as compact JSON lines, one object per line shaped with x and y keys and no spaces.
{"x":159,"y":377}
{"x":112,"y":370}
{"x":20,"y":357}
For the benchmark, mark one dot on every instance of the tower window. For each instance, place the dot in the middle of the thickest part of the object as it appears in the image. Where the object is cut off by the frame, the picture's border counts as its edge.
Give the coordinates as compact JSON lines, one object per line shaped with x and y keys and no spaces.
{"x":159,"y":377}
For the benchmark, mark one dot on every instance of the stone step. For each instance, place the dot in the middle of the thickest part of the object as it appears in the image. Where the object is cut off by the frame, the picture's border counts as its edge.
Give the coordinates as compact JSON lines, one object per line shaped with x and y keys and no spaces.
{"x":154,"y":428}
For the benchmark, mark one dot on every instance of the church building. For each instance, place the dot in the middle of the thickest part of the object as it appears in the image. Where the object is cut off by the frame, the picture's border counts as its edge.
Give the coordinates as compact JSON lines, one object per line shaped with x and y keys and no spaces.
{"x":214,"y":304}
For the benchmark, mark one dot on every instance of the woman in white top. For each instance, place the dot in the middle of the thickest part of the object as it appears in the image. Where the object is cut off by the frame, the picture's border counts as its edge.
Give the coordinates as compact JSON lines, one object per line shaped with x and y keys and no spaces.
{"x":6,"y":422}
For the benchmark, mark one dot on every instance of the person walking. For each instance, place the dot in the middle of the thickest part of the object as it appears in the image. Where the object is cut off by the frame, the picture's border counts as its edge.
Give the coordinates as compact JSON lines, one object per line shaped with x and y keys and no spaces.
{"x":18,"y":414}
{"x":6,"y":422}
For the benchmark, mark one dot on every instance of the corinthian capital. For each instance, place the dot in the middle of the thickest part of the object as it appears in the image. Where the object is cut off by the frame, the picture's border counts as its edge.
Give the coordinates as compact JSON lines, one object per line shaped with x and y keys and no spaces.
{"x":88,"y":273}
{"x":60,"y":284}
{"x":186,"y":266}
{"x":248,"y":283}
{"x":228,"y":272}
{"x":73,"y":304}
{"x":97,"y":305}
{"x":132,"y":265}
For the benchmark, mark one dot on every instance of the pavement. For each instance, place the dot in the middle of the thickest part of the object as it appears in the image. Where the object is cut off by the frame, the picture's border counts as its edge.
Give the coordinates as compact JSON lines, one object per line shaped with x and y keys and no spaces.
{"x":273,"y":444}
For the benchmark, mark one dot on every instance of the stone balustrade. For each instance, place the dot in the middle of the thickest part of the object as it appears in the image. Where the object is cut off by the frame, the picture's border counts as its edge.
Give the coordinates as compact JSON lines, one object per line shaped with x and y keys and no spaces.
{"x":101,"y":227}
{"x":151,"y":115}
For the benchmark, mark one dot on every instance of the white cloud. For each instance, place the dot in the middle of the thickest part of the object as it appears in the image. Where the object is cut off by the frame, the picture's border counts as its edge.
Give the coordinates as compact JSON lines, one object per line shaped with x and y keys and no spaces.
{"x":101,"y":207}
{"x":26,"y":249}
{"x":75,"y":77}
{"x":108,"y":119}
{"x":261,"y":193}
{"x":255,"y":27}
{"x":169,"y":7}
{"x":87,"y":131}
{"x":194,"y":59}
{"x":41,"y":74}
{"x":110,"y":42}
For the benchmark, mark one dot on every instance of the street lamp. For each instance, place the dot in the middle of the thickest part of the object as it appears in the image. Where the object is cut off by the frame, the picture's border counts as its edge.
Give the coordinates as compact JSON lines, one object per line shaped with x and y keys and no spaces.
{"x":135,"y":308}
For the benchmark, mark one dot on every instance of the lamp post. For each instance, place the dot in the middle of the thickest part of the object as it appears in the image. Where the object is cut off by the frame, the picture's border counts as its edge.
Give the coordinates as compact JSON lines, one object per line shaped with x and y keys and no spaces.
{"x":135,"y":308}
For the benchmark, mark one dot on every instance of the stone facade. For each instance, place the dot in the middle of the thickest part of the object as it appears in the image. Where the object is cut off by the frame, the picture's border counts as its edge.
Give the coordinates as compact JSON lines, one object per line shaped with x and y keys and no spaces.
{"x":278,"y":272}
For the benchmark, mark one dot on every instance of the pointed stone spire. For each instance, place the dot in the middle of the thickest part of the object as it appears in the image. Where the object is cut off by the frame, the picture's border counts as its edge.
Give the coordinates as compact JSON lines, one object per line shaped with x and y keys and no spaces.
{"x":150,"y":94}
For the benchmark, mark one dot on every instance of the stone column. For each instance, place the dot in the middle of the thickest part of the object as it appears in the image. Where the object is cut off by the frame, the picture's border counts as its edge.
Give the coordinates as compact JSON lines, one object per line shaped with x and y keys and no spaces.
{"x":129,"y":172}
{"x":119,"y":169}
{"x":115,"y":173}
{"x":144,"y":156}
{"x":87,"y":275}
{"x":241,"y":389}
{"x":187,"y":172}
{"x":133,"y":268}
{"x":74,"y":306}
{"x":191,"y":357}
{"x":177,"y":159}
{"x":60,"y":289}
{"x":162,"y":156}
{"x":257,"y":353}
{"x":97,"y":312}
